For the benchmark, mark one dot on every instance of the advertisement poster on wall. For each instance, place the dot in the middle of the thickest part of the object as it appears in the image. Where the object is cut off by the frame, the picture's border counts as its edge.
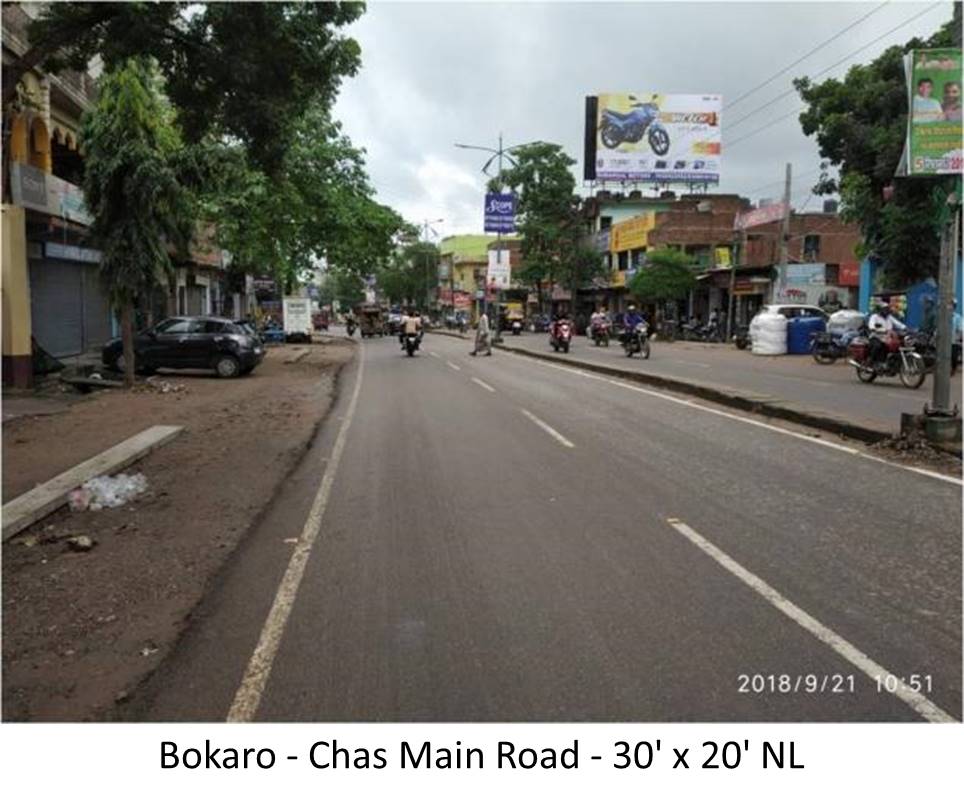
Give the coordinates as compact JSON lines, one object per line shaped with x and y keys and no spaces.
{"x":647,"y":136}
{"x":934,"y":127}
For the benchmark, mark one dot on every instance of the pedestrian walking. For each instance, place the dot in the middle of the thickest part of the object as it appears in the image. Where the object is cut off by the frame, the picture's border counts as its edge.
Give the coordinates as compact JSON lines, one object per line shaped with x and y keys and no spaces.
{"x":482,"y":340}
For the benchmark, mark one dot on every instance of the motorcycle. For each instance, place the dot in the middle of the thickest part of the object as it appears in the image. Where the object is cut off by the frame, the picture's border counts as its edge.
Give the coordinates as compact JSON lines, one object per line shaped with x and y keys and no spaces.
{"x":516,"y":327}
{"x":560,"y":335}
{"x":600,"y":334}
{"x":742,"y":337}
{"x":350,"y":327}
{"x":642,"y":119}
{"x":925,"y":343}
{"x":895,"y":358}
{"x":827,"y":347}
{"x":637,"y":341}
{"x":411,"y":343}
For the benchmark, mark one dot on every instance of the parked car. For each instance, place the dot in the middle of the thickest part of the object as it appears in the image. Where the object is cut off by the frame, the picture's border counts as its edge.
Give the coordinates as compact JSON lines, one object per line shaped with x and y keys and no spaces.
{"x":791,"y":311}
{"x":191,"y":342}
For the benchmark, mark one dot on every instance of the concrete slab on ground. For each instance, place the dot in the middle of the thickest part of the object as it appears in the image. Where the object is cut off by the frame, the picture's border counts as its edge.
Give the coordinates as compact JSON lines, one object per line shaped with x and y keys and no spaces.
{"x":31,"y":506}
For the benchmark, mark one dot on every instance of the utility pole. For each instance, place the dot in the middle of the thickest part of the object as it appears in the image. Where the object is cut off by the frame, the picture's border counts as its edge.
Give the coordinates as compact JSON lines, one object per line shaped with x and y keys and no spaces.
{"x":950,"y":234}
{"x":426,"y":228}
{"x":785,"y":232}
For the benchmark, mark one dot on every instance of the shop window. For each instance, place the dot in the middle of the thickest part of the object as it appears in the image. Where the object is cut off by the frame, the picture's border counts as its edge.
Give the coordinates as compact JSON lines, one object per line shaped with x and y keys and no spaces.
{"x":623,"y":261}
{"x":811,"y":248}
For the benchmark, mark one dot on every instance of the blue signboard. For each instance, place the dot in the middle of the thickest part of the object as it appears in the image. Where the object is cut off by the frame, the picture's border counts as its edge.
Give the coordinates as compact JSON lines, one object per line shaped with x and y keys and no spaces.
{"x":499,"y":212}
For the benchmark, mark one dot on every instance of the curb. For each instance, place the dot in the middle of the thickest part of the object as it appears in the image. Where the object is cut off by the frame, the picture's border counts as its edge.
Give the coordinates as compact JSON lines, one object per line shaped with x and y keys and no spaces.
{"x":766,"y":406}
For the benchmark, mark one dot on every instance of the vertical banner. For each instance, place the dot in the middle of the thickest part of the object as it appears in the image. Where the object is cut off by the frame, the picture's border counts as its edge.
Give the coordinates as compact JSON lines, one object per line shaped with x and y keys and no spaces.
{"x":499,"y":274}
{"x":499,"y":212}
{"x":934,"y":128}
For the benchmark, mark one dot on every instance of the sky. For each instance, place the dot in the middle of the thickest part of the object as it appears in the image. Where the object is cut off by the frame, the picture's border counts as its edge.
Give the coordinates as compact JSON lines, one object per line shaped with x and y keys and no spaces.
{"x":438,"y":73}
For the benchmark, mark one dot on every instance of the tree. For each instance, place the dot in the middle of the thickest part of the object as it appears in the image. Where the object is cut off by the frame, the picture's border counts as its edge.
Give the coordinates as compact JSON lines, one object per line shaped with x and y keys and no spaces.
{"x":412,"y":275}
{"x":549,"y":220}
{"x":139,"y":206}
{"x":243,"y":71}
{"x":860,"y":124}
{"x":667,"y":276}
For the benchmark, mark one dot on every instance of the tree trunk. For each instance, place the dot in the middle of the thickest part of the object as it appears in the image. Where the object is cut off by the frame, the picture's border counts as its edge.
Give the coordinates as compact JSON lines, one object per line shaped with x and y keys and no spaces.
{"x":127,"y":339}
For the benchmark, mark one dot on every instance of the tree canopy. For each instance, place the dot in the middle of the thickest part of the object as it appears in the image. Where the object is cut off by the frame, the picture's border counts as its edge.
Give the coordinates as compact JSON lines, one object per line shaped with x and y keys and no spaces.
{"x":243,"y":71}
{"x":412,"y":274}
{"x":549,"y":220}
{"x":139,"y":206}
{"x":667,"y":276}
{"x":859,"y":123}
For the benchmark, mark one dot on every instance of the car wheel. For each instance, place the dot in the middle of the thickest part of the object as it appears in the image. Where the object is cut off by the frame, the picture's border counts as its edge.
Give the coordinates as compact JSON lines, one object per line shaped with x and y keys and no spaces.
{"x":227,"y":366}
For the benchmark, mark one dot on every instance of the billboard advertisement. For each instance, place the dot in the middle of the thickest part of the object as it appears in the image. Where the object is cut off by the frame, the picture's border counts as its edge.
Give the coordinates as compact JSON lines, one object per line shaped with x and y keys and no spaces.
{"x":499,"y":212}
{"x":498,"y":275}
{"x":761,"y":215}
{"x":653,"y":137}
{"x":934,"y":123}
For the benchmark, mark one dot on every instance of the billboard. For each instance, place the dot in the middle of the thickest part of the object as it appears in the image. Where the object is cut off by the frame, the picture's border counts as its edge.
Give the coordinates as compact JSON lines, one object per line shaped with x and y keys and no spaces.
{"x":652,"y":137}
{"x":934,"y":121}
{"x":499,"y":212}
{"x":761,"y":215}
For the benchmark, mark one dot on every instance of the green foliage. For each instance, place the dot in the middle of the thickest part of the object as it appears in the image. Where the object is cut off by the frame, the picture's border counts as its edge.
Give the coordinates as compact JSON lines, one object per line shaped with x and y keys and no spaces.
{"x":349,"y":287}
{"x":242,"y":71}
{"x":548,"y":214}
{"x":860,"y":125}
{"x":667,"y":276}
{"x":412,"y":275}
{"x":131,"y":185}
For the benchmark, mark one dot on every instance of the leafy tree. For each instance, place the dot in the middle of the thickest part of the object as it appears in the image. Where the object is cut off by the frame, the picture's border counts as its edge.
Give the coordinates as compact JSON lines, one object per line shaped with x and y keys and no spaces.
{"x":549,"y":220}
{"x":243,"y":71}
{"x":412,"y":275}
{"x":349,"y":287}
{"x":667,"y":276}
{"x":132,"y":189}
{"x":860,"y":124}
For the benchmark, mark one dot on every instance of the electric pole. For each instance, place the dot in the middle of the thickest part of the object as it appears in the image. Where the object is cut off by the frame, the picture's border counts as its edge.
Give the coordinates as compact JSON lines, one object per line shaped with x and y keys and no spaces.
{"x":785,"y":232}
{"x":950,"y":233}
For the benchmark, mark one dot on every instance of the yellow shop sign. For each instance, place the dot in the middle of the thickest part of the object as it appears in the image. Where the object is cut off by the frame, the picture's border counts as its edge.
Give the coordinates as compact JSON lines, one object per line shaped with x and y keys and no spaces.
{"x":632,"y":234}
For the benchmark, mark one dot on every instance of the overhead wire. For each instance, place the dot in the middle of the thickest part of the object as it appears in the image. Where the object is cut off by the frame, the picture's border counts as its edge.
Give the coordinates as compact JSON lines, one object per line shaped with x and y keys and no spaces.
{"x":807,"y":55}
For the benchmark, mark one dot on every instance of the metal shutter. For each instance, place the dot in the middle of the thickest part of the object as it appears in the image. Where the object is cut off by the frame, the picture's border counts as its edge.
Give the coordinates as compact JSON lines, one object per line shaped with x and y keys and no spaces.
{"x":96,"y":310}
{"x":55,"y":307}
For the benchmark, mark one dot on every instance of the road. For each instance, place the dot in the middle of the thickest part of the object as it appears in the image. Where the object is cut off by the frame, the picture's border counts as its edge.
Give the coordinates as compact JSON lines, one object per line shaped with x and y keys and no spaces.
{"x":794,"y":379}
{"x":504,"y":540}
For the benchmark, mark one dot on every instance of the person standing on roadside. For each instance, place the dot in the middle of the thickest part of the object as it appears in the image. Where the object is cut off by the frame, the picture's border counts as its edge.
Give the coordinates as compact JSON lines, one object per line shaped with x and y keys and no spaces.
{"x":482,"y":340}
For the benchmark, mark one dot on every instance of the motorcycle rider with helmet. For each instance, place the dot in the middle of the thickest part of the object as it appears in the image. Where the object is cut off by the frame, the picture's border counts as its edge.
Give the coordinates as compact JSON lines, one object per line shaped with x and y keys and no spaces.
{"x":880,"y":323}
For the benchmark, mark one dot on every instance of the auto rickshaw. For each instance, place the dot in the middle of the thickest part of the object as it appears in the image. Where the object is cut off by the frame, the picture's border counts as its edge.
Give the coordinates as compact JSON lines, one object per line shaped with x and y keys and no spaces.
{"x":370,"y":321}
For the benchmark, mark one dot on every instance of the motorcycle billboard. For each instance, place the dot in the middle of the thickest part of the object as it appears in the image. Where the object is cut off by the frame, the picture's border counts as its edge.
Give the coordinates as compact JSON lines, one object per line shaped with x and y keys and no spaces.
{"x":653,"y":137}
{"x":934,"y":127}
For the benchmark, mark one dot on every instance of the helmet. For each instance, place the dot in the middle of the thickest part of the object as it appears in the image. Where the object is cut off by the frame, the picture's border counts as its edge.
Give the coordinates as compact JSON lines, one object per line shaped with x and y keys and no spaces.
{"x":632,"y":307}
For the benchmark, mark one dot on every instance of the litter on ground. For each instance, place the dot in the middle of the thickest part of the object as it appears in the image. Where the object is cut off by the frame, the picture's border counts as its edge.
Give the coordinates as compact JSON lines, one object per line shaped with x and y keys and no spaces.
{"x":105,"y":492}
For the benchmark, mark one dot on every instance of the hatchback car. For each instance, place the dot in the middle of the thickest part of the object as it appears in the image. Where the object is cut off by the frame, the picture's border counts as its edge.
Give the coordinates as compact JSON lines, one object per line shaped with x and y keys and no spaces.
{"x":191,"y":342}
{"x":792,"y":311}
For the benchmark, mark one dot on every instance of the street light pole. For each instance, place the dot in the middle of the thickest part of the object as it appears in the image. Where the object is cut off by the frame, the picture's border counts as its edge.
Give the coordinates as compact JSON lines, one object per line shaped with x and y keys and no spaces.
{"x":497,"y":154}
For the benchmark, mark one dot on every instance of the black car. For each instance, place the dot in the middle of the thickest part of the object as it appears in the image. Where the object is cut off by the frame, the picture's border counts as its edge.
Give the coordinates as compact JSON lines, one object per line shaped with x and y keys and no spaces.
{"x":191,"y":342}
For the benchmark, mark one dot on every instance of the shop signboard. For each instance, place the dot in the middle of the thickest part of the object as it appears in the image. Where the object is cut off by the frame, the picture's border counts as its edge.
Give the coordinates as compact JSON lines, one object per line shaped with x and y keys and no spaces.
{"x":849,"y":274}
{"x":30,"y":187}
{"x":632,"y":233}
{"x":499,"y":212}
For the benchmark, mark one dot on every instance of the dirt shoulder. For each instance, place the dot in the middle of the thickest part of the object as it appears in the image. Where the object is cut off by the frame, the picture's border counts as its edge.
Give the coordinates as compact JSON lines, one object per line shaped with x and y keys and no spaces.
{"x":81,"y":628}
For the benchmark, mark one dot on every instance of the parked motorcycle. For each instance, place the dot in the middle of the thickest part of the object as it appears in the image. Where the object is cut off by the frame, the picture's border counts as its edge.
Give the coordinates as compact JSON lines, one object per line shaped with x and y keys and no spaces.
{"x":637,"y":341}
{"x":925,"y":344}
{"x":827,"y":347}
{"x":707,"y":333}
{"x":742,"y":337}
{"x":516,"y":327}
{"x":642,"y":119}
{"x":600,"y":334}
{"x":895,"y":358}
{"x":560,"y":335}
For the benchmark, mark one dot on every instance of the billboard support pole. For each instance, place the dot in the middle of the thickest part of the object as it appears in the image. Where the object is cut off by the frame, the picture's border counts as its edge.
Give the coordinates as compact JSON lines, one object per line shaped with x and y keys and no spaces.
{"x":950,"y":231}
{"x":785,"y":231}
{"x":498,"y":260}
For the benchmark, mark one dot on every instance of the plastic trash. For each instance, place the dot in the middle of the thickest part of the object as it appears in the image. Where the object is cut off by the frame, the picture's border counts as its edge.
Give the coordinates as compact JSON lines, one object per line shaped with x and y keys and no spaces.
{"x":106,"y":492}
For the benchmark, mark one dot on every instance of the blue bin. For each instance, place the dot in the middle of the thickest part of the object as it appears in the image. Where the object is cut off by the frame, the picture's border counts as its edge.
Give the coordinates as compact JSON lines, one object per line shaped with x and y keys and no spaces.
{"x":799,"y":332}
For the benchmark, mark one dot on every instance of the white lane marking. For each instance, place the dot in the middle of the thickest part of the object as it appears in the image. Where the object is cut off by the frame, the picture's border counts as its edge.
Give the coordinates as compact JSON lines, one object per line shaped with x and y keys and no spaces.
{"x":691,"y":363}
{"x":549,"y":429}
{"x":917,"y":701}
{"x":484,"y":385}
{"x":248,"y":697}
{"x":435,"y":355}
{"x":765,"y":425}
{"x":454,"y":366}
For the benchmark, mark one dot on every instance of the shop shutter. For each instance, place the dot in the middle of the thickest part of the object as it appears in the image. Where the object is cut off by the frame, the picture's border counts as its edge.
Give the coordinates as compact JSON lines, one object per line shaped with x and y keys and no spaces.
{"x":56,"y":310}
{"x":96,"y":310}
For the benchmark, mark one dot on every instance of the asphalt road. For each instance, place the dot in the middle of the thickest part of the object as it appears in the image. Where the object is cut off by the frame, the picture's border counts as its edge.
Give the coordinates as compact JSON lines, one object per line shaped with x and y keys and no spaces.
{"x":507,"y":540}
{"x":794,"y":379}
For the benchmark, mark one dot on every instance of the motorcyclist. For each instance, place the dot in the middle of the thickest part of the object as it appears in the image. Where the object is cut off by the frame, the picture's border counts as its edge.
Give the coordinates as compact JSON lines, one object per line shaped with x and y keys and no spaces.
{"x":410,"y":325}
{"x":881,"y":322}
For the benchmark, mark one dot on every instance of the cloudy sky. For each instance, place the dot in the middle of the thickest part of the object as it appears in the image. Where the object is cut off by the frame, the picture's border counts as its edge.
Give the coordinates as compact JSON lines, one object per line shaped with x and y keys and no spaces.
{"x":439,"y":73}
